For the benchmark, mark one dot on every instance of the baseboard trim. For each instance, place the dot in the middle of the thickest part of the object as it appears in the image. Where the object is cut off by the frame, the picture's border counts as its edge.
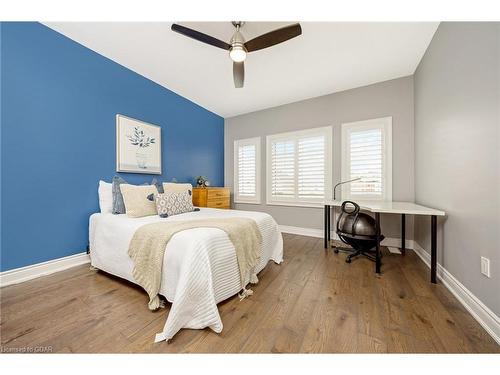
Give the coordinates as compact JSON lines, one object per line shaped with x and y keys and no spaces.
{"x":19,"y":275}
{"x":483,"y":315}
{"x":310,"y":232}
{"x":318,"y":233}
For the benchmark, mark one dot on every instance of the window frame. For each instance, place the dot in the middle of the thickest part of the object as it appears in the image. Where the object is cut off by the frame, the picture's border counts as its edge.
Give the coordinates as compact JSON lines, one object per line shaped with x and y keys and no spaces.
{"x":385,"y":124}
{"x":327,"y":132}
{"x":256,"y":141}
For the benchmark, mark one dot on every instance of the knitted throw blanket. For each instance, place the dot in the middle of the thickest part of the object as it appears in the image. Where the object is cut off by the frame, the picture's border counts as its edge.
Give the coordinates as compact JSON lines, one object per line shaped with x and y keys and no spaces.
{"x":149,"y":242}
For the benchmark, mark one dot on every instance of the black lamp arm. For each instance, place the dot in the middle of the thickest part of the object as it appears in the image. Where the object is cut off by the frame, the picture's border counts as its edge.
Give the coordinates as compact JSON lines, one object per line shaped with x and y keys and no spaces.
{"x":341,"y":183}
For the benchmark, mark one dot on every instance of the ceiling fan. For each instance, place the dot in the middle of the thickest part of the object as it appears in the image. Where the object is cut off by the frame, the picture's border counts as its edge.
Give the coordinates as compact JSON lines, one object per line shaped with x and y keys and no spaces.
{"x":237,"y":46}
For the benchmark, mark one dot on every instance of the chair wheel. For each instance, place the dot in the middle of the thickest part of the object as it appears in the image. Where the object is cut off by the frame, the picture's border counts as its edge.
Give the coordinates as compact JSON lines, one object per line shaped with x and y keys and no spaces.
{"x":348,"y":260}
{"x":336,"y":251}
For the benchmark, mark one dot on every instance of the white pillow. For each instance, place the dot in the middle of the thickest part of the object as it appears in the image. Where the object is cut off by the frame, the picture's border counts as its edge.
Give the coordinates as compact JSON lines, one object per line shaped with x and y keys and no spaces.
{"x":105,"y":197}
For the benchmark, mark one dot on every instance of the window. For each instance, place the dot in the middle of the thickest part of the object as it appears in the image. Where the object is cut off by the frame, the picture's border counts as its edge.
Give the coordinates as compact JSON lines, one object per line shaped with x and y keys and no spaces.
{"x":367,"y":154}
{"x":247,"y":170}
{"x":299,"y":167}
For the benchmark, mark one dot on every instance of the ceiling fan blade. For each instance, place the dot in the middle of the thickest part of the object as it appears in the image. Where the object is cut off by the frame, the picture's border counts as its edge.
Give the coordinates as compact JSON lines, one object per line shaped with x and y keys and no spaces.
{"x":273,"y":37}
{"x":204,"y":38}
{"x":238,"y":74}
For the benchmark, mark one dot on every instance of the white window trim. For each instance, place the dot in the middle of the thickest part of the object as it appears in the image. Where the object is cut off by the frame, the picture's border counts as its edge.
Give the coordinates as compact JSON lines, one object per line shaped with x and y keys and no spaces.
{"x":243,"y":142}
{"x":327,"y":132}
{"x":345,"y":167}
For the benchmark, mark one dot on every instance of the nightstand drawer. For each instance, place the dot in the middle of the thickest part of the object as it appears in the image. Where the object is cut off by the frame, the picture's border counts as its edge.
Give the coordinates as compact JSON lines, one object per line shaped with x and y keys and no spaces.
{"x":218,"y":194}
{"x":218,"y":203}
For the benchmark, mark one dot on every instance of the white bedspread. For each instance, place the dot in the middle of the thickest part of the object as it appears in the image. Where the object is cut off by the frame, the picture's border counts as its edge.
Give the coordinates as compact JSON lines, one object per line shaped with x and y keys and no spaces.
{"x":199,"y":269}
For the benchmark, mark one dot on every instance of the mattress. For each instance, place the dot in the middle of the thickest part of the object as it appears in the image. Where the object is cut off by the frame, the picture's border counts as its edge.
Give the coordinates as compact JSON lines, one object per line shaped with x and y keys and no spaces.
{"x":200,"y":268}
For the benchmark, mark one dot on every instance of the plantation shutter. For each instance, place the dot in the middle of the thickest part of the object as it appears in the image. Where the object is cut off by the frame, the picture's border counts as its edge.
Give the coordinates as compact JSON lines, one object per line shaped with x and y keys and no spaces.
{"x":311,"y":167}
{"x":247,"y":171}
{"x":283,"y":169}
{"x":366,"y":161}
{"x":299,"y":167}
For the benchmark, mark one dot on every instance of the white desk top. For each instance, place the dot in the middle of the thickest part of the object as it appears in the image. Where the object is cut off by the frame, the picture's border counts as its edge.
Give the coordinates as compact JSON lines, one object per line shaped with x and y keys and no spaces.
{"x":392,"y":207}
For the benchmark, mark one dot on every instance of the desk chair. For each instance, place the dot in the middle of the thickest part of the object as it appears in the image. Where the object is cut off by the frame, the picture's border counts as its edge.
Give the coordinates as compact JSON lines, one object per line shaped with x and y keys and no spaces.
{"x":357,"y":230}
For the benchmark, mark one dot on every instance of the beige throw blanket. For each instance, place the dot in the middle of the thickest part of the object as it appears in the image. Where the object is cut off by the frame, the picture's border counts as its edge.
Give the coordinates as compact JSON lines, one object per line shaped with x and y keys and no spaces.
{"x":149,"y":242}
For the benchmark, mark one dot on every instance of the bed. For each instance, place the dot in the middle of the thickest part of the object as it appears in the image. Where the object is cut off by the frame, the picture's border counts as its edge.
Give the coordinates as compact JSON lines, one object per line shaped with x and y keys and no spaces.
{"x":200,"y":268}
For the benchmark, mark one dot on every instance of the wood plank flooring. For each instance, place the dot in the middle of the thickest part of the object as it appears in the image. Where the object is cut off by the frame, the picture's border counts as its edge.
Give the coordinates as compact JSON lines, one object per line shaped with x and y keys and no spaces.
{"x":314,"y":303}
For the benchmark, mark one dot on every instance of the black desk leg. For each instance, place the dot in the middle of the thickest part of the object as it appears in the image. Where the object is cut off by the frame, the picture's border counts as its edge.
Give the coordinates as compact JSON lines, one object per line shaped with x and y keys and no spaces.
{"x":433,"y":248}
{"x":377,"y":254}
{"x":403,"y":234}
{"x":325,"y":235}
{"x":329,"y":225}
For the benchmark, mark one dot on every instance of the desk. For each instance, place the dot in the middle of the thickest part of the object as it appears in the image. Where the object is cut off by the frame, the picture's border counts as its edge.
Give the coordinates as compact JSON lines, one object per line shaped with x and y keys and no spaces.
{"x":401,"y":208}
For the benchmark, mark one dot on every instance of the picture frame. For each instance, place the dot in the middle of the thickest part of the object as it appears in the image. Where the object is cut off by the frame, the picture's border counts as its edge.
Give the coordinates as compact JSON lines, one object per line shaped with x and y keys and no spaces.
{"x":138,"y":146}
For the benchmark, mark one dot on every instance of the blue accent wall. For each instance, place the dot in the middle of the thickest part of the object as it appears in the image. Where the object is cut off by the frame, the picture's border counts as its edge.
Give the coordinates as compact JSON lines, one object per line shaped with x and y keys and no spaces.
{"x":58,"y":106}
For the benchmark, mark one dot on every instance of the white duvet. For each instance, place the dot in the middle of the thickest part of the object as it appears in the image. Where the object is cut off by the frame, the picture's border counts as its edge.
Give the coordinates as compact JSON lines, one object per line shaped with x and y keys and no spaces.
{"x":199,"y":268}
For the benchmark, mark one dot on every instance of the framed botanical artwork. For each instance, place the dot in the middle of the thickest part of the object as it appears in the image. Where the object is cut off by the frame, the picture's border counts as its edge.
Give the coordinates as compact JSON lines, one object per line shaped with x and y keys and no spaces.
{"x":138,"y":146}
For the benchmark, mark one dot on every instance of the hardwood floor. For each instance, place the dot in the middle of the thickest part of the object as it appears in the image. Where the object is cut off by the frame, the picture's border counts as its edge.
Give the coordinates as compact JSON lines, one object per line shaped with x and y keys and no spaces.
{"x":314,"y":302}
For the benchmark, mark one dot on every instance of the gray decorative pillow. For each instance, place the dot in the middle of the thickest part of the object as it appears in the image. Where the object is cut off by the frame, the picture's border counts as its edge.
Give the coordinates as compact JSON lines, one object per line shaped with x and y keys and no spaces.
{"x":172,"y":203}
{"x":158,"y":184}
{"x":118,"y":205}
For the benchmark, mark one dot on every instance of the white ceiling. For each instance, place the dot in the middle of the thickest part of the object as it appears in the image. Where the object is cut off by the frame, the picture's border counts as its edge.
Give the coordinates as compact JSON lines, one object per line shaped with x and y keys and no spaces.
{"x":327,"y":57}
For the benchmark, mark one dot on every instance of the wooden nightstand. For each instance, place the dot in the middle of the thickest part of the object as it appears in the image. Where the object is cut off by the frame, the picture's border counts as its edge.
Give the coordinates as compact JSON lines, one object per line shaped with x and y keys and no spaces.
{"x":214,"y":197}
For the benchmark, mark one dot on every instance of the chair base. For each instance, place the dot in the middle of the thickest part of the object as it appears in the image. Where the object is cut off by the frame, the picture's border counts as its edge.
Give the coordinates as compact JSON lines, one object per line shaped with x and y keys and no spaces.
{"x":357,"y":253}
{"x":353,"y":253}
{"x":338,"y":249}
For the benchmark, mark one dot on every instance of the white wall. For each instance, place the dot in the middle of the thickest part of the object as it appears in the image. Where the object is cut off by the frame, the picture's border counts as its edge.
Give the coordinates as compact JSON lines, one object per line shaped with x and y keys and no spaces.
{"x":391,"y":98}
{"x":457,"y":157}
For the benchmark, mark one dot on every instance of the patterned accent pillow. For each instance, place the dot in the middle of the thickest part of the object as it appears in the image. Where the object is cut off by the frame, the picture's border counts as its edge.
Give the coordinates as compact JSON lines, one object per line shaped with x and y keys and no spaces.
{"x":172,"y":203}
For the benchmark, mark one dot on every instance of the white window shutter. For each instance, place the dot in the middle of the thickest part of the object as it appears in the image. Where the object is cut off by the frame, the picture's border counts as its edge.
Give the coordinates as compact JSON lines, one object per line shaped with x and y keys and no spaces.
{"x":367,"y":154}
{"x":283,"y":169}
{"x":311,"y":167}
{"x":366,"y":162}
{"x":247,"y":170}
{"x":299,"y":167}
{"x":247,"y":184}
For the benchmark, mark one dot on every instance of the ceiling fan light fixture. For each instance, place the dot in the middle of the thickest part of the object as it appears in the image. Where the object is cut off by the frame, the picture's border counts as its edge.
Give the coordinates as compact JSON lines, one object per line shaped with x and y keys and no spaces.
{"x":238,"y":53}
{"x":238,"y":47}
